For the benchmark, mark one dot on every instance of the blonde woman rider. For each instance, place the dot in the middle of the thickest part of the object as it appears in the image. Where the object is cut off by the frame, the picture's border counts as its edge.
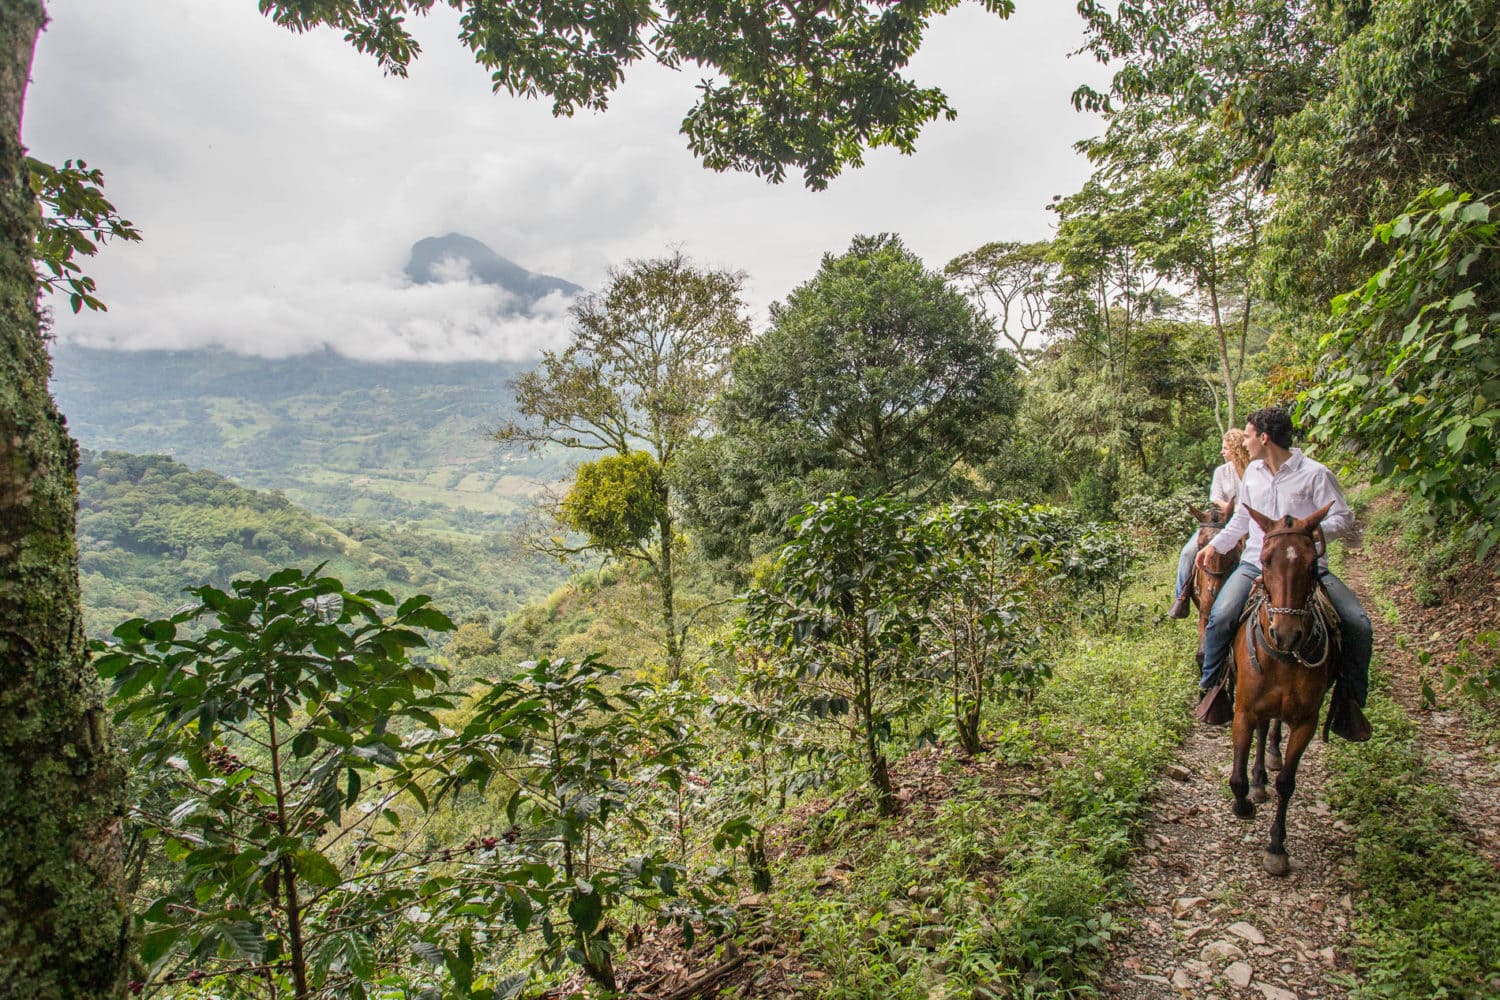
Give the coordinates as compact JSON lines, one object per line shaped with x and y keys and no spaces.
{"x":1225,"y":489}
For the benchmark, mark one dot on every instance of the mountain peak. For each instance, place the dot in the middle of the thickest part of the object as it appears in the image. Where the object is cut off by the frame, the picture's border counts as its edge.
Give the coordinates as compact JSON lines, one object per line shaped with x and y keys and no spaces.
{"x":446,"y":258}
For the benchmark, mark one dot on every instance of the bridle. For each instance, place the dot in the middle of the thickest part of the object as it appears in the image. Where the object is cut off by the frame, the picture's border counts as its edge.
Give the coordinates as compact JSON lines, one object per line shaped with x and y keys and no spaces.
{"x":1317,"y":635}
{"x":1213,"y":530}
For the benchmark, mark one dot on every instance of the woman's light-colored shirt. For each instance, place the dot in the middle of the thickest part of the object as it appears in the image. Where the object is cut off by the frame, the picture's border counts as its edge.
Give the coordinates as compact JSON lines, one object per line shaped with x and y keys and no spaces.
{"x":1226,"y":485}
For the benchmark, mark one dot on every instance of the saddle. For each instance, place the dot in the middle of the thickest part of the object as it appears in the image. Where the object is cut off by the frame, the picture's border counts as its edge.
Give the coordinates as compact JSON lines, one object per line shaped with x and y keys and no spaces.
{"x":1323,"y":646}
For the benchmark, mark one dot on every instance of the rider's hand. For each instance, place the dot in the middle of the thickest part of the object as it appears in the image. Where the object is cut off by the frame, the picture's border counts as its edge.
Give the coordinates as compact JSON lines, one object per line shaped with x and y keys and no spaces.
{"x":1201,"y":559}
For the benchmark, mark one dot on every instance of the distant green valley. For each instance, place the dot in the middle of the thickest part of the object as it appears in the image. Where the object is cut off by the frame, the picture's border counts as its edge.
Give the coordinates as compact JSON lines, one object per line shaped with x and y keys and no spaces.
{"x":150,"y":527}
{"x":400,"y":442}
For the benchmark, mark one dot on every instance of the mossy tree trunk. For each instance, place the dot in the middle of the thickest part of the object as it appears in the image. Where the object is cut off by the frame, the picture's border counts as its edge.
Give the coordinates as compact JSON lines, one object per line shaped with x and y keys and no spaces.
{"x":62,"y":905}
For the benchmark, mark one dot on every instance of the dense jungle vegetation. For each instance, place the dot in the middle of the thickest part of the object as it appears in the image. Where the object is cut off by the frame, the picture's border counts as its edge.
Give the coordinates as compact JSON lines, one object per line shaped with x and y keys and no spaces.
{"x":871,"y":697}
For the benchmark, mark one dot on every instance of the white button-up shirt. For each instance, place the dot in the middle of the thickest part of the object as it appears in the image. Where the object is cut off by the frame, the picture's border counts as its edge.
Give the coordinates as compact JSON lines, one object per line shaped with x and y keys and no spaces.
{"x":1298,"y":488}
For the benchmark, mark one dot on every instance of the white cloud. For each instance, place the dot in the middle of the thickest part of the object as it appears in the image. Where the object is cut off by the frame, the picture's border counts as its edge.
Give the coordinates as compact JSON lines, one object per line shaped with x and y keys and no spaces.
{"x":280,"y":180}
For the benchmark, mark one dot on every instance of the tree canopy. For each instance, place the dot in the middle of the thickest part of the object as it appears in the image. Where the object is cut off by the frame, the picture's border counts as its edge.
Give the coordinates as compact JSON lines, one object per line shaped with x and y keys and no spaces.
{"x":799,"y":83}
{"x":875,"y":377}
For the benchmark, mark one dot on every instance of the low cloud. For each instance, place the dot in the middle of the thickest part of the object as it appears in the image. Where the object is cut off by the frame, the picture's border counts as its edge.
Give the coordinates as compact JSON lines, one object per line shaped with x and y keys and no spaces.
{"x":280,"y":180}
{"x":384,"y":320}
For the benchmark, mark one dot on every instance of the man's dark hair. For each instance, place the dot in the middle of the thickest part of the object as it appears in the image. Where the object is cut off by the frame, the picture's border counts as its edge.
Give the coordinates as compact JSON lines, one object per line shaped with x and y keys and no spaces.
{"x":1275,"y":423}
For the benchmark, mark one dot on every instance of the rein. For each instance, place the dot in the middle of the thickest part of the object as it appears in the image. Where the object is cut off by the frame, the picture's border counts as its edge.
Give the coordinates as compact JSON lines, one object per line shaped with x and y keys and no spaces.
{"x":1320,"y":640}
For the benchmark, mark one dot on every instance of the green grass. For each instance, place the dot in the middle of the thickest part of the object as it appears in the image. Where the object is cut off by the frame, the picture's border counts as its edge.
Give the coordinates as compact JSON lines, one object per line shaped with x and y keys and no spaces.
{"x":1003,"y":888}
{"x":1428,"y":916}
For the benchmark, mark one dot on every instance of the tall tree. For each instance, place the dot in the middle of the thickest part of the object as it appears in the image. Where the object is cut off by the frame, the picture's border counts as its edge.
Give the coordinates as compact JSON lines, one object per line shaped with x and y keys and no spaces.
{"x":875,"y":378}
{"x":800,"y":84}
{"x":62,"y":912}
{"x":1008,"y":282}
{"x":648,"y":358}
{"x":1191,"y":186}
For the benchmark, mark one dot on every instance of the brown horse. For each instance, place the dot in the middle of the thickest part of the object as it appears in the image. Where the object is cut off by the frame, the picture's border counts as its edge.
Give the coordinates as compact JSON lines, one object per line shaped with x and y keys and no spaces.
{"x":1207,"y":582}
{"x":1285,"y":655}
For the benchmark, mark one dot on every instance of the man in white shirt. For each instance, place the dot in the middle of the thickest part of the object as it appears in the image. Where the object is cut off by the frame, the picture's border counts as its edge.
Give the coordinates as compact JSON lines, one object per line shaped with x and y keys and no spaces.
{"x":1280,"y":480}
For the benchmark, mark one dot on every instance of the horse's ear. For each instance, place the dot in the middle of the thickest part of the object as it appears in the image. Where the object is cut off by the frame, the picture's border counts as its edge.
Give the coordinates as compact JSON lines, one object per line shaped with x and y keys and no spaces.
{"x":1201,"y":516}
{"x":1266,"y":523}
{"x":1228,"y":511}
{"x":1312,"y":520}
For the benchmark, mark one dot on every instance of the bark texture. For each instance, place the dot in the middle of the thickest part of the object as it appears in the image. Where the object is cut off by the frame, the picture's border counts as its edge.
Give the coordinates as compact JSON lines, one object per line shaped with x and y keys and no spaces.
{"x":62,"y":905}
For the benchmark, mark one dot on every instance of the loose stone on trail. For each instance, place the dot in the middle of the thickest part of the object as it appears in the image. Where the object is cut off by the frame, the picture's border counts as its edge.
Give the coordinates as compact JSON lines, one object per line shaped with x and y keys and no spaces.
{"x":1183,"y":905}
{"x":1248,"y":932}
{"x":1221,"y":951}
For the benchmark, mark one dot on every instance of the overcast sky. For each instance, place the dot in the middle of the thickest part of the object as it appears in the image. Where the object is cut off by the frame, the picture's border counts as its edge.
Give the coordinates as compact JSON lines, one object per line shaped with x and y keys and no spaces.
{"x":280,"y":180}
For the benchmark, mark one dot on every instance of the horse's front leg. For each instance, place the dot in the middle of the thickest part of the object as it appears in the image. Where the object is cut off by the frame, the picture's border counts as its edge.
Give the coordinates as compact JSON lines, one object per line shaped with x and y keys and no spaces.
{"x":1239,"y":784}
{"x":1276,"y":861}
{"x":1273,"y":752}
{"x":1258,"y":772}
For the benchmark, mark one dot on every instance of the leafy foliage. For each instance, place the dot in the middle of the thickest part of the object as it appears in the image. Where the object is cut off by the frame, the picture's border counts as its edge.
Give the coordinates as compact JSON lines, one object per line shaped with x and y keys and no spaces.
{"x":874,"y":378}
{"x":1411,"y":374}
{"x":76,"y":220}
{"x":989,"y":561}
{"x":842,"y":616}
{"x":578,"y":749}
{"x":1405,"y":99}
{"x":615,"y":501}
{"x":284,"y":878}
{"x":802,"y":84}
{"x":1008,"y":283}
{"x":647,"y":359}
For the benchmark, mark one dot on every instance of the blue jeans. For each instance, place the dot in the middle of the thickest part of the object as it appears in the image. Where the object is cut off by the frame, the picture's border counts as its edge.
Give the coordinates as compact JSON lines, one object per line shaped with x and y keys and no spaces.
{"x":1185,"y":565}
{"x":1354,"y":627}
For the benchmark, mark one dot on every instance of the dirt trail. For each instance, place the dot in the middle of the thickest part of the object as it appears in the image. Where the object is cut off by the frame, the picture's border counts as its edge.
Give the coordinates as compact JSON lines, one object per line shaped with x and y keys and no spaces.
{"x":1209,"y":923}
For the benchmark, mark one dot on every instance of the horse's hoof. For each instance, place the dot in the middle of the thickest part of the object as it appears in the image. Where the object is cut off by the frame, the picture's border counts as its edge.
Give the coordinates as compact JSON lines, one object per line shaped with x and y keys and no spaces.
{"x":1258,"y":793}
{"x":1273,"y":761}
{"x":1276,"y":864}
{"x":1244,"y":809}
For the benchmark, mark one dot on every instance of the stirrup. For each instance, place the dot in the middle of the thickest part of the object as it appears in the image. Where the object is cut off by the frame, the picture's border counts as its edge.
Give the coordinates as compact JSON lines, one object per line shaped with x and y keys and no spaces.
{"x":1216,"y":707}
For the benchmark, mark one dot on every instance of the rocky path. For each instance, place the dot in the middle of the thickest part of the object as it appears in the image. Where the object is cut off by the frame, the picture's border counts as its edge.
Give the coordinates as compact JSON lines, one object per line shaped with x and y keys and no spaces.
{"x":1208,"y":922}
{"x":1211,"y":923}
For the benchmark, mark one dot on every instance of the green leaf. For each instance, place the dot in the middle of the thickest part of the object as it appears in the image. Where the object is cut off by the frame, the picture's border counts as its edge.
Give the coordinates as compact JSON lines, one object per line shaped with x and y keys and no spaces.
{"x":585,"y":909}
{"x":246,"y":939}
{"x":1463,"y":300}
{"x":158,"y":943}
{"x":315,"y":868}
{"x":304,"y":743}
{"x":360,"y":954}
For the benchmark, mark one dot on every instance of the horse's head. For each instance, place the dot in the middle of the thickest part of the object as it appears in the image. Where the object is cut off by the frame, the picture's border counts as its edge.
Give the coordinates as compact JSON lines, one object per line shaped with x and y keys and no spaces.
{"x":1289,"y":572}
{"x":1211,"y":521}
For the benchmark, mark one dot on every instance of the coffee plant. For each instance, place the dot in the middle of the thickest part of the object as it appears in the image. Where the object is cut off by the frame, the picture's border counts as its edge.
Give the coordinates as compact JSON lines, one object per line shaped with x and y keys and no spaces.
{"x":841,"y":616}
{"x":579,"y":753}
{"x":990,"y":559}
{"x":283,"y":728}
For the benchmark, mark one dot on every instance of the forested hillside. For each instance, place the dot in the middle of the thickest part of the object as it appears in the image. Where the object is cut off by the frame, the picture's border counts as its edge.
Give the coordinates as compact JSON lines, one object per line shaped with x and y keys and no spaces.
{"x":405,"y":443}
{"x":150,"y":527}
